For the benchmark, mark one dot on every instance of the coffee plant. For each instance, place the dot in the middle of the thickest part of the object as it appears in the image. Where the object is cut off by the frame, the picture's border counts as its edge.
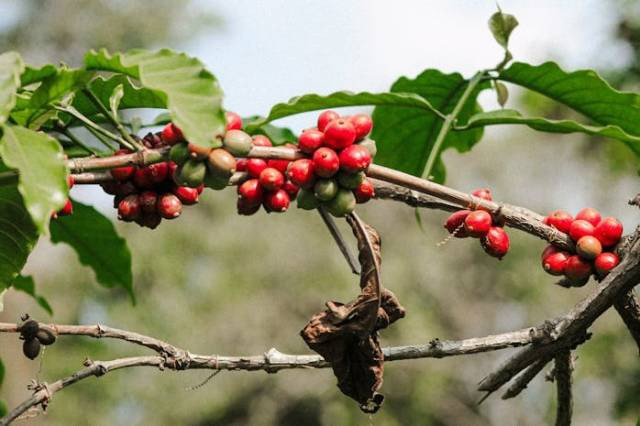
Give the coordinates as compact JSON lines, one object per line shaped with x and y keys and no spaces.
{"x":65,"y":126}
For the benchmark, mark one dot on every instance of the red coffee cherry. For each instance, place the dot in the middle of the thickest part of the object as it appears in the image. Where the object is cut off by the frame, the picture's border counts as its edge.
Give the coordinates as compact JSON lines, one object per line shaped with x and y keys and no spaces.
{"x":354,"y":159}
{"x":148,"y":201}
{"x":301,"y":172}
{"x":555,"y":263}
{"x":142,"y":178}
{"x":456,"y":221}
{"x":589,"y":214}
{"x":484,"y":193}
{"x":588,"y":247}
{"x":605,"y":262}
{"x":67,"y":209}
{"x":187,"y":195}
{"x":125,"y":172}
{"x":326,"y":162}
{"x":339,"y":134}
{"x":70,"y":181}
{"x":172,"y":134}
{"x":241,"y":164}
{"x":234,"y":121}
{"x":496,"y":242}
{"x":261,"y":140}
{"x":577,"y":269}
{"x":478,"y":223}
{"x":364,"y":192}
{"x":310,"y":140}
{"x":548,"y":251}
{"x":200,"y":188}
{"x":246,"y":209}
{"x":561,"y":220}
{"x":158,"y":172}
{"x":362,"y":123}
{"x":129,"y":208}
{"x":169,"y":206}
{"x":580,"y":228}
{"x":280,"y":165}
{"x":325,"y":118}
{"x":277,"y":201}
{"x":255,"y":166}
{"x":251,"y":192}
{"x":291,"y":189}
{"x":271,"y":179}
{"x":608,"y":231}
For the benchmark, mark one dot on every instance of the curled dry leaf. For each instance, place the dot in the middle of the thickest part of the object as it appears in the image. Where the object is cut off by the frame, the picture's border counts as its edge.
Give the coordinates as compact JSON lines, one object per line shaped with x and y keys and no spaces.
{"x":346,"y":335}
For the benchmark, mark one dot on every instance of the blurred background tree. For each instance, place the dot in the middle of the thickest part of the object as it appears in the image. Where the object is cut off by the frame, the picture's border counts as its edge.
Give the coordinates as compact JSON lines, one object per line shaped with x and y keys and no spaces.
{"x":214,"y":282}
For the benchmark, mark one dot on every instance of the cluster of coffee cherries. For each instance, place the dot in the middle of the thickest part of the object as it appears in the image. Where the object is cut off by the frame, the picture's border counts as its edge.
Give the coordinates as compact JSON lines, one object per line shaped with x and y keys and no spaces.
{"x":333,"y":173}
{"x":34,"y":337}
{"x":595,"y":239}
{"x":480,"y":224}
{"x":268,"y":185}
{"x":146,"y":195}
{"x":68,"y":207}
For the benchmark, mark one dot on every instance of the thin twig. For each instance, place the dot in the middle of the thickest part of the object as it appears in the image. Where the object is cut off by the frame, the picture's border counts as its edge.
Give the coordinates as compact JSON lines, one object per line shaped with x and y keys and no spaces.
{"x":522,"y":381}
{"x":112,"y":119}
{"x":174,"y":358}
{"x":563,"y":370}
{"x":340,"y":241}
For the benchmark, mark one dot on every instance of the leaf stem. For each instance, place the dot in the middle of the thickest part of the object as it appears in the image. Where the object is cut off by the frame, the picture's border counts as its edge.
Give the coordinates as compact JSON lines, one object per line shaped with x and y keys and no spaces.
{"x":75,"y":140}
{"x":448,"y":122}
{"x":112,"y":119}
{"x":90,"y":125}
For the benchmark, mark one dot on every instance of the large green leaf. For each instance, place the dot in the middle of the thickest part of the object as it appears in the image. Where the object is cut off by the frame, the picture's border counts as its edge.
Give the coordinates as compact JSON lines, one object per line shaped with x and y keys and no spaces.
{"x":508,"y":116}
{"x":18,"y":235}
{"x":193,"y":95}
{"x":405,"y":136}
{"x":39,"y":160}
{"x":584,"y":91}
{"x":57,"y":86}
{"x":313,"y":102}
{"x":27,"y":285}
{"x":97,"y":244}
{"x":11,"y":66}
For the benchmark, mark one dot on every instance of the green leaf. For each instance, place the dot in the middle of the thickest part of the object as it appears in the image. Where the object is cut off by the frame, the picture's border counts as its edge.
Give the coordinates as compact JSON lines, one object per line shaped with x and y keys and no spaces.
{"x":132,"y":96}
{"x":501,"y":26}
{"x":18,"y":235}
{"x":39,"y":160}
{"x":502,"y":93}
{"x":277,"y":135}
{"x":1,"y":373}
{"x":405,"y":136}
{"x":193,"y":96}
{"x":584,"y":91}
{"x":509,"y":116}
{"x":313,"y":102}
{"x":97,"y":244}
{"x":11,"y":66}
{"x":27,"y":285}
{"x":3,"y":408}
{"x":115,"y":98}
{"x":58,"y":86}
{"x":34,"y":75}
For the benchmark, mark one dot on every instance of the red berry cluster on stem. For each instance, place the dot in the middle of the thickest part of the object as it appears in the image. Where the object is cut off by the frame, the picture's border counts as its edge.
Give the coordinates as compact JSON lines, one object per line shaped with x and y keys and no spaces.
{"x":146,"y":195}
{"x":480,"y":224}
{"x":338,"y":154}
{"x":595,"y":239}
{"x":268,"y":185}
